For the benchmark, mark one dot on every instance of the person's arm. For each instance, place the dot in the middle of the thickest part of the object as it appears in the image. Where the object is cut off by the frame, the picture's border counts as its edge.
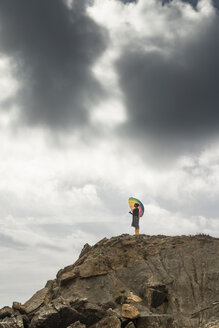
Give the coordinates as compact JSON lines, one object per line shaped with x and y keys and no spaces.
{"x":130,"y":212}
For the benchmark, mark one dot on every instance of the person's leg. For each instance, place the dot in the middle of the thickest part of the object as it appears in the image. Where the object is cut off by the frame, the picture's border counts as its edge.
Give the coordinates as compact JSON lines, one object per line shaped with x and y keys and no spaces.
{"x":137,"y":226}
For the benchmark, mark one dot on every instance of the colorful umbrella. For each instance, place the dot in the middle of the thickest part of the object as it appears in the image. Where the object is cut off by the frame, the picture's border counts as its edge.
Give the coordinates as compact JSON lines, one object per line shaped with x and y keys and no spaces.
{"x":132,"y":202}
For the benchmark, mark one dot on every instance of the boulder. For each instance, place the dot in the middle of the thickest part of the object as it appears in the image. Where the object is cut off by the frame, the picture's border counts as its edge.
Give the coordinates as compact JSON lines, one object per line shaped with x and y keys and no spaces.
{"x":46,"y":317}
{"x":129,"y":311}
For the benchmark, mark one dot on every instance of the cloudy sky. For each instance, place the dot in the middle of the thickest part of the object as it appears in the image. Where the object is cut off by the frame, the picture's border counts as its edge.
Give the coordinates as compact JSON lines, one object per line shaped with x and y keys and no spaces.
{"x":102,"y":100}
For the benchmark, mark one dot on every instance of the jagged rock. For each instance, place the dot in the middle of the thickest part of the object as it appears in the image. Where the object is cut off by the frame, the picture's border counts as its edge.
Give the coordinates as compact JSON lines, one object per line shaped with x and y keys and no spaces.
{"x":76,"y":302}
{"x":36,"y":300}
{"x":129,"y":311}
{"x":177,"y":279}
{"x":60,"y":311}
{"x":92,"y":313}
{"x":49,"y":284}
{"x":67,"y":313}
{"x":46,"y":317}
{"x":19,"y":307}
{"x":6,"y":311}
{"x":108,"y":322}
{"x":68,"y":276}
{"x":92,"y":267}
{"x":77,"y":324}
{"x":15,"y":321}
{"x":85,"y":250}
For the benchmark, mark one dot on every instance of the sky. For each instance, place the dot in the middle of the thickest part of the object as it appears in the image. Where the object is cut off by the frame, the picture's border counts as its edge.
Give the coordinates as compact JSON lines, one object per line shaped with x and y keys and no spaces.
{"x":102,"y":100}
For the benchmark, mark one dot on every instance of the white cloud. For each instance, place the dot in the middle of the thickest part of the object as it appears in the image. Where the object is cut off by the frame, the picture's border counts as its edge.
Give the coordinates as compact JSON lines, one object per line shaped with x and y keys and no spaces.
{"x":55,"y":200}
{"x":147,"y":20}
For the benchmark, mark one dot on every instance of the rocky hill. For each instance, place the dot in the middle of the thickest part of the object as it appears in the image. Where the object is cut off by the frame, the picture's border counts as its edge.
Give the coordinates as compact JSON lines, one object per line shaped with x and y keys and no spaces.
{"x":129,"y":282}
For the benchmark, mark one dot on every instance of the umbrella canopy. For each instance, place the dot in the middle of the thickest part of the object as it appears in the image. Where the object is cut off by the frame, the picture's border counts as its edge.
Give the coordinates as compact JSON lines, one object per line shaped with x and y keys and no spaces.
{"x":132,"y":201}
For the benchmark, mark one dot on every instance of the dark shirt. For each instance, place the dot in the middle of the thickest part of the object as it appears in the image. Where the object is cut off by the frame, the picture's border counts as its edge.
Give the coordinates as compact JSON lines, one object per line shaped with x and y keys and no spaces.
{"x":135,"y":218}
{"x":136,"y":212}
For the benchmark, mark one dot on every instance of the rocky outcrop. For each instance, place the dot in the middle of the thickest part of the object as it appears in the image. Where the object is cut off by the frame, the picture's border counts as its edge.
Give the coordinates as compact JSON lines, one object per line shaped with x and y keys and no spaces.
{"x":129,"y":282}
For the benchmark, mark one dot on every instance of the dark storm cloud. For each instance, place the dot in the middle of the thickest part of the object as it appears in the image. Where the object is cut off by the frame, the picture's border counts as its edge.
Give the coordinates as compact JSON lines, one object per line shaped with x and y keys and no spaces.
{"x":174,"y":96}
{"x":193,"y":2}
{"x":53,"y":49}
{"x":216,"y":3}
{"x":128,"y":1}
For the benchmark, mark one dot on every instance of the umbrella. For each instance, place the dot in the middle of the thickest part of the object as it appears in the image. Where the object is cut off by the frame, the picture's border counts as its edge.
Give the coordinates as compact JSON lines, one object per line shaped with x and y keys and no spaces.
{"x":132,"y":201}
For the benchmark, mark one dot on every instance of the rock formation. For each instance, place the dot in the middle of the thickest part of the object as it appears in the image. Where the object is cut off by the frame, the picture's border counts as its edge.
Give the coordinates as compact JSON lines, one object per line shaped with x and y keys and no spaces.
{"x":129,"y":282}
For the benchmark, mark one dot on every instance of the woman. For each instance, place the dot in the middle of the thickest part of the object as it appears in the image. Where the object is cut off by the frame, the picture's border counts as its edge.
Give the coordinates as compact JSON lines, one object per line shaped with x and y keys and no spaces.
{"x":135,"y":218}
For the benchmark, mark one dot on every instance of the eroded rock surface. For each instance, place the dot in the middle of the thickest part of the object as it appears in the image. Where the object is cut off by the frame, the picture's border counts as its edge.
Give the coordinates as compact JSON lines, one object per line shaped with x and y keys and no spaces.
{"x":129,"y":282}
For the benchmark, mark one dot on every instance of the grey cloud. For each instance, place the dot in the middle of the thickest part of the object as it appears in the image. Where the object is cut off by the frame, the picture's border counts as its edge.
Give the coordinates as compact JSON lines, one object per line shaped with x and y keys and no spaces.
{"x":175,"y":97}
{"x":193,"y":2}
{"x":53,"y":49}
{"x":51,"y":247}
{"x":54,"y":229}
{"x":7,"y":241}
{"x":98,"y":229}
{"x":216,"y":3}
{"x":128,"y":1}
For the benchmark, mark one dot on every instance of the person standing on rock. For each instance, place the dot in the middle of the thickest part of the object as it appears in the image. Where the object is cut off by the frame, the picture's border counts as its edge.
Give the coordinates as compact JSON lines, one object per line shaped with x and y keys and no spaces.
{"x":135,"y":218}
